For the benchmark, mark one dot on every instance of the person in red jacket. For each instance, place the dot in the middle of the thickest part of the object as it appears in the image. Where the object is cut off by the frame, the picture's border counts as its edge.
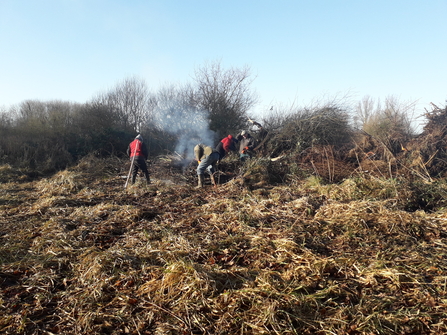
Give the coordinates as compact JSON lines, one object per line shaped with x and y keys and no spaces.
{"x":226,"y":145}
{"x":137,"y":151}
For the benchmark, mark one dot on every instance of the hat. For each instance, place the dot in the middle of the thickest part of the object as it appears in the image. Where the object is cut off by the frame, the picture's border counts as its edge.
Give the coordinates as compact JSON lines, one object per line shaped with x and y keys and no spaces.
{"x":243,"y":132}
{"x":230,"y":136}
{"x":139,"y":137}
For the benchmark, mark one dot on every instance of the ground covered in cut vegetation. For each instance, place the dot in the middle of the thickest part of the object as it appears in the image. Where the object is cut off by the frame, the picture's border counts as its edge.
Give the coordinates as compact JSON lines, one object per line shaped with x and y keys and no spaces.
{"x":79,"y":254}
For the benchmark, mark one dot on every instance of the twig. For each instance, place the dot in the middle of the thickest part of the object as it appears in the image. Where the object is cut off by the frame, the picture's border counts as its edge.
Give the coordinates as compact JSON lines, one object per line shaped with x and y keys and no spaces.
{"x":170,"y":313}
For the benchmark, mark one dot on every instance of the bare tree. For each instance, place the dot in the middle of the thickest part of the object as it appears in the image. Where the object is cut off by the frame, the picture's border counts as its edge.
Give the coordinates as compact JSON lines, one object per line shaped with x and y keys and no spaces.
{"x":364,"y":110}
{"x":392,"y":124}
{"x":129,"y":101}
{"x":226,"y":95}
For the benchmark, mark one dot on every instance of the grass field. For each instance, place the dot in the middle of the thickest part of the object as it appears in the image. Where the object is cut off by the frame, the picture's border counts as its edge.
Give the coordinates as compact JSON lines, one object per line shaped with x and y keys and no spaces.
{"x":79,"y":254}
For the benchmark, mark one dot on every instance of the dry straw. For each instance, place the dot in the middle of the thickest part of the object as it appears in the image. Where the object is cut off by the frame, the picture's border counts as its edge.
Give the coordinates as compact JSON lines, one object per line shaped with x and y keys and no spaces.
{"x":80,"y":255}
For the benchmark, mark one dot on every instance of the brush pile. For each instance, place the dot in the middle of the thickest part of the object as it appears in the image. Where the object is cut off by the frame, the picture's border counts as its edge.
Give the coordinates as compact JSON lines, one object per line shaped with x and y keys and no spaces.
{"x":423,"y":157}
{"x":79,"y":254}
{"x":428,"y":153}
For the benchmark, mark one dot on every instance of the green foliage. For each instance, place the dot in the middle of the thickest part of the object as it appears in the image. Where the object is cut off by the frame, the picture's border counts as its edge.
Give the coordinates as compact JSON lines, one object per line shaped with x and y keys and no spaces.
{"x":427,"y":196}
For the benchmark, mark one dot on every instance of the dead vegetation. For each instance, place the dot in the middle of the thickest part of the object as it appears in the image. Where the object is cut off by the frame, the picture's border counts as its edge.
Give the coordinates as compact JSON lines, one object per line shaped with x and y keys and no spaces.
{"x":265,"y":252}
{"x":327,"y":239}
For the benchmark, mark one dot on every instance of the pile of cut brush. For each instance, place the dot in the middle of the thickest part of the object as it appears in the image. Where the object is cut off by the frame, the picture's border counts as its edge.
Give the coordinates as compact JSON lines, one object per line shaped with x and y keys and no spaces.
{"x":421,"y":157}
{"x":79,"y":254}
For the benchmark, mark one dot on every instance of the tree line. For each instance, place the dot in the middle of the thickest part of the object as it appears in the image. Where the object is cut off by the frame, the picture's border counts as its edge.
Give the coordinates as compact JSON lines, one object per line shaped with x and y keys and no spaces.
{"x":52,"y":135}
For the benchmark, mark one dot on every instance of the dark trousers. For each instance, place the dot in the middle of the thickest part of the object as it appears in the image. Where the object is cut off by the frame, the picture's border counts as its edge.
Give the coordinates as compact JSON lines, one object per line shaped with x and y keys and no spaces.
{"x":139,"y":164}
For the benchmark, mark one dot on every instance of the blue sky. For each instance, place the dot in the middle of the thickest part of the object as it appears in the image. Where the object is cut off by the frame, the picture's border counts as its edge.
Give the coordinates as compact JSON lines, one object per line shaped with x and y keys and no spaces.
{"x":298,"y":51}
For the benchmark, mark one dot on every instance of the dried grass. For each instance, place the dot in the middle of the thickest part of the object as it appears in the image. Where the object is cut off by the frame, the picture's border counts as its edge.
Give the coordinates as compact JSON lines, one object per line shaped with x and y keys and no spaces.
{"x":82,"y":255}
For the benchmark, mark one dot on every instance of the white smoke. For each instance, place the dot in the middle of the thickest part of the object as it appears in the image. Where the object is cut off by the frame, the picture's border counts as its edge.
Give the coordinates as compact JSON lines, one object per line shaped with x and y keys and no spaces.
{"x":189,"y":125}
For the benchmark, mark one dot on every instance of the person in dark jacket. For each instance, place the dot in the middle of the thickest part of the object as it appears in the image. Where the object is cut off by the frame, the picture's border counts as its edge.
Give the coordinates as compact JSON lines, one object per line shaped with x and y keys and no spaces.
{"x":137,"y":151}
{"x":246,"y":145}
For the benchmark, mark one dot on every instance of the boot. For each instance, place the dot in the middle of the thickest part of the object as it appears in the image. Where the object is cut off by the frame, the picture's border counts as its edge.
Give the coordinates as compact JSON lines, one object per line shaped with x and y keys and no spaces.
{"x":134,"y":177}
{"x":148,"y":179}
{"x":200,"y":181}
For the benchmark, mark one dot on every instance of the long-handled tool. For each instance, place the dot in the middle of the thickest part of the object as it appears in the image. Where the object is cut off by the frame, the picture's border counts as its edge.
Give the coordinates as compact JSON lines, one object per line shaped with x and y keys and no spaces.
{"x":213,"y":180}
{"x":131,"y":164}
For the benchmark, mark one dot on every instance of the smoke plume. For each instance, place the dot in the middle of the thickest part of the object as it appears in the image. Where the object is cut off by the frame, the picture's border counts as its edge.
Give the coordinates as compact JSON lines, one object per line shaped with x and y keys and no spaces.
{"x":189,"y":125}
